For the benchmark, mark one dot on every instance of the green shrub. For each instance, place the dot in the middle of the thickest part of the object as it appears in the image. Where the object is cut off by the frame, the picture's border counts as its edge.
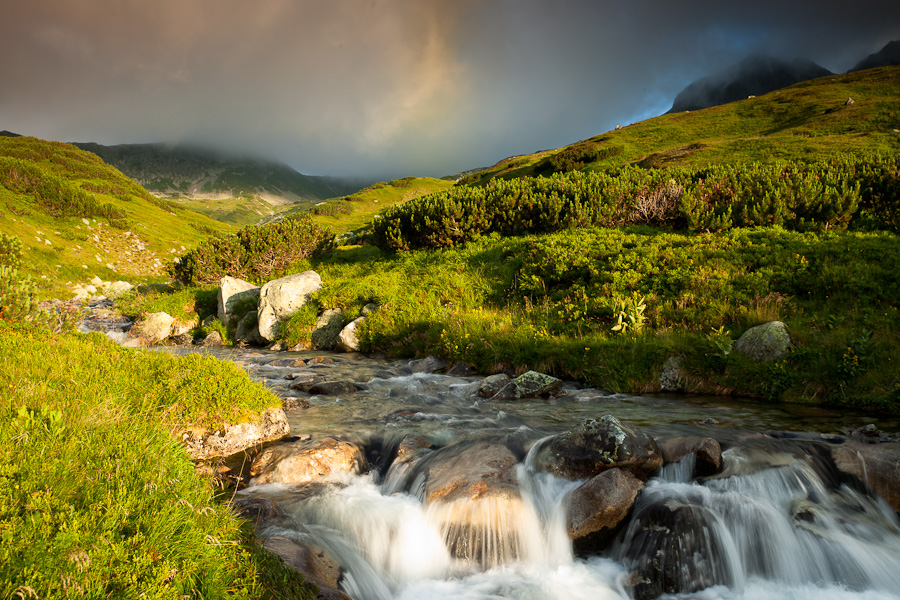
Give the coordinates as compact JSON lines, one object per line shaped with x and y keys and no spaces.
{"x":18,"y":293}
{"x":58,"y":196}
{"x":805,"y":197}
{"x":254,"y":252}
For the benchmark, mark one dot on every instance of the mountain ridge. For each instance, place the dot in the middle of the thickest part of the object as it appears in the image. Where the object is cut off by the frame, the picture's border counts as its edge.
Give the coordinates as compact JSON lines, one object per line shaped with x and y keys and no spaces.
{"x":753,"y":76}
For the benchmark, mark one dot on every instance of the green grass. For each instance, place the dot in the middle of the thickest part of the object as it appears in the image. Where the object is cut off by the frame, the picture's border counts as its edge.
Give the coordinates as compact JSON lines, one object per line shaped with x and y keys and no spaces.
{"x":355,"y":212}
{"x":63,"y":250}
{"x":99,"y":500}
{"x":239,"y":211}
{"x":549,"y":302}
{"x":809,"y":121}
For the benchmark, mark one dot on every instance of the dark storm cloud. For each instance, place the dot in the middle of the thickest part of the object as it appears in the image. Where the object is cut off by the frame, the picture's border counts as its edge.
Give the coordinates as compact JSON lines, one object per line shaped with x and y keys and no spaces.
{"x":390,"y":86}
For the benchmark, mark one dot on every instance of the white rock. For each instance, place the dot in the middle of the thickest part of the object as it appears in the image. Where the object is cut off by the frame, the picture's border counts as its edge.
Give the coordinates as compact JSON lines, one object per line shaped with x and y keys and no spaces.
{"x":153,"y":328}
{"x":281,"y":298}
{"x":232,"y":291}
{"x":348,"y":340}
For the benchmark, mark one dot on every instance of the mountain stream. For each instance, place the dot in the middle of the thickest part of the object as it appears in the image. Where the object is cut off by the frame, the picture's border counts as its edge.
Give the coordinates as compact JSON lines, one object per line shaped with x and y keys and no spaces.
{"x":773,"y":524}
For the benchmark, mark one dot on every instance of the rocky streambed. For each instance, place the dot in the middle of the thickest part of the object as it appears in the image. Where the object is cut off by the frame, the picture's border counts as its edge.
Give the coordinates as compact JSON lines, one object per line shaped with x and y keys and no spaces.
{"x":418,"y":479}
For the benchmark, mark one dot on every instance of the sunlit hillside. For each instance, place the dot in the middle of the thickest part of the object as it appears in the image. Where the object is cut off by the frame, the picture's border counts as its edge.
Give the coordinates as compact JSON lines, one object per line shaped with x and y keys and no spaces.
{"x":808,"y":121}
{"x":77,"y":217}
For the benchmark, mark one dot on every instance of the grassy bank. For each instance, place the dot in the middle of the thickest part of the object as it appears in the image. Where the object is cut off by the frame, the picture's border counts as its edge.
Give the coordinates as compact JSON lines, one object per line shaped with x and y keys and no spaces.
{"x":550,"y":302}
{"x":99,"y":499}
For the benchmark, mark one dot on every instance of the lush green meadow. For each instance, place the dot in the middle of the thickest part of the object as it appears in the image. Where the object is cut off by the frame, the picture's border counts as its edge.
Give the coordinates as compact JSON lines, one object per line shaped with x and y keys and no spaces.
{"x":99,"y":497}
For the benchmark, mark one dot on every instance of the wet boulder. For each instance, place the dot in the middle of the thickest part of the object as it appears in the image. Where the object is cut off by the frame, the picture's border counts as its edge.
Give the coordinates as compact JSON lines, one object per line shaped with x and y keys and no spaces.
{"x":316,"y":565}
{"x":411,"y":443}
{"x":462,"y":370}
{"x":333,"y":388}
{"x":232,"y":292}
{"x":471,"y":489}
{"x":281,"y":298}
{"x":471,"y":471}
{"x":305,"y":381}
{"x":492,"y":384}
{"x":764,"y":343}
{"x":257,"y":509}
{"x":429,"y":364}
{"x":596,"y":445}
{"x":708,"y":453}
{"x":303,"y":462}
{"x":596,"y":510}
{"x":529,"y":384}
{"x":875,"y":466}
{"x":672,"y":548}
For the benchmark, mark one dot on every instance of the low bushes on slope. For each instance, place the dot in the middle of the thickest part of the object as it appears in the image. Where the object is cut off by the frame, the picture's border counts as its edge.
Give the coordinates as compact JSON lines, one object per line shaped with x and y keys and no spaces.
{"x":56,"y":195}
{"x":254,"y":252}
{"x":795,"y":195}
{"x":550,"y":302}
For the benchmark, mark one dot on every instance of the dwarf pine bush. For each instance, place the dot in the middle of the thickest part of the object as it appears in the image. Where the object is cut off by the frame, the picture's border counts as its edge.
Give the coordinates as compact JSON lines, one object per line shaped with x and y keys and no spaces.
{"x":254,"y":252}
{"x":824,"y":196}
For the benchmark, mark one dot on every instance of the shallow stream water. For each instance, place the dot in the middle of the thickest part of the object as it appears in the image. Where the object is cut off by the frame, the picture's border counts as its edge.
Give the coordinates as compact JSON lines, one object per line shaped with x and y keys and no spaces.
{"x":773,"y":526}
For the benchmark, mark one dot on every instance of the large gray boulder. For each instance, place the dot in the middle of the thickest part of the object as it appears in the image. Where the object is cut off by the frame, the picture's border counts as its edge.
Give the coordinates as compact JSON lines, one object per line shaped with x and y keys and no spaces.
{"x":152,"y":328}
{"x":327,"y":329}
{"x":596,"y":445}
{"x":230,"y":439}
{"x":596,"y":509}
{"x":764,"y":343}
{"x":304,"y":462}
{"x":348,"y":340}
{"x":231,"y":292}
{"x":281,"y":298}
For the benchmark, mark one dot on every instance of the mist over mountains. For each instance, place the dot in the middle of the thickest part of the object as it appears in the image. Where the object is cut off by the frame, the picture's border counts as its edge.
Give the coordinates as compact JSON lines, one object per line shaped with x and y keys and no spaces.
{"x":759,"y":74}
{"x":196,"y":172}
{"x":886,"y":57}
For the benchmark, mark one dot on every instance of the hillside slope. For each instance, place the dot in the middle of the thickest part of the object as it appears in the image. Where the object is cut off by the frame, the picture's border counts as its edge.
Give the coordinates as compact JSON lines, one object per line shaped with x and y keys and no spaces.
{"x":77,"y":217}
{"x":355,"y":211}
{"x":231,"y":189}
{"x":809,"y":121}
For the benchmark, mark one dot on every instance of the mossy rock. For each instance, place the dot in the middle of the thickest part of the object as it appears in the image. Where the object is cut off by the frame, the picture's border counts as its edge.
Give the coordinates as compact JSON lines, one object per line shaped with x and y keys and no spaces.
{"x":764,"y":343}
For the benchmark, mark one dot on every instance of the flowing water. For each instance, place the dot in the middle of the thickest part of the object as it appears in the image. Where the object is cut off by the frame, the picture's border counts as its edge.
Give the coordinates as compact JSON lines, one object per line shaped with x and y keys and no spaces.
{"x":775,"y":524}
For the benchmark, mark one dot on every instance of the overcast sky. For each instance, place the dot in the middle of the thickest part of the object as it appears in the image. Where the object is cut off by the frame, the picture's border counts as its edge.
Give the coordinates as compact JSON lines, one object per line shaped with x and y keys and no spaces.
{"x":390,"y":87}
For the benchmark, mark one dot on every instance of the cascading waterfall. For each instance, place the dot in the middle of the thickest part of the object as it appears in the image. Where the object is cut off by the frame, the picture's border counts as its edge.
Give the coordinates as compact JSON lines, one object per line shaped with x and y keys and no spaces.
{"x":783,"y":523}
{"x":775,"y":524}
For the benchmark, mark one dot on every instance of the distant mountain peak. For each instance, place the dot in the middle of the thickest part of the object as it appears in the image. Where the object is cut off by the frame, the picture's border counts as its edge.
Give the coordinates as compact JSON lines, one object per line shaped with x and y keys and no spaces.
{"x":886,"y":57}
{"x":755,"y":75}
